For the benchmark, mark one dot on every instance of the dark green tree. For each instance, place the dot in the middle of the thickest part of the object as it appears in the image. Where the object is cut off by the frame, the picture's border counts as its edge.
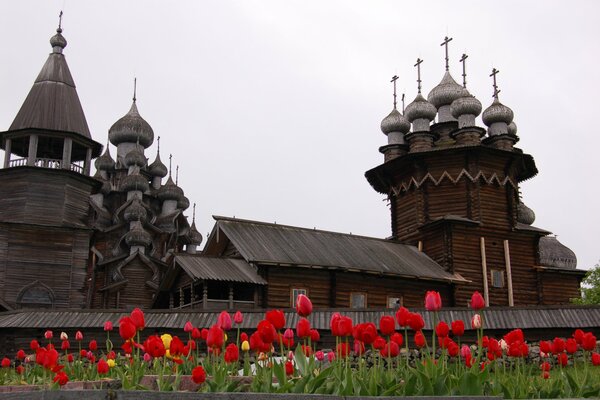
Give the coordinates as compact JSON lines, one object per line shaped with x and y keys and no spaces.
{"x":590,"y":287}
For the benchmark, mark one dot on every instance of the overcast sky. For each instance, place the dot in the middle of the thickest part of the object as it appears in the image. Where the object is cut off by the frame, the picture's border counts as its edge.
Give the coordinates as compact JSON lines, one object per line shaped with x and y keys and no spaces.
{"x":272,"y":108}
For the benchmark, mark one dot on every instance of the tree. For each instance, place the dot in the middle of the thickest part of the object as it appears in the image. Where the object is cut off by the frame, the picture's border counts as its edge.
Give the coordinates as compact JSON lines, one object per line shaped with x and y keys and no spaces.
{"x":590,"y":287}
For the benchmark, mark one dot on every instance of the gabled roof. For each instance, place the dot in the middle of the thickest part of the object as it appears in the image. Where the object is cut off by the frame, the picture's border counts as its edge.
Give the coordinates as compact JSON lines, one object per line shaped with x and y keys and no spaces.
{"x":273,"y":244}
{"x":53,"y":103}
{"x":218,"y":269}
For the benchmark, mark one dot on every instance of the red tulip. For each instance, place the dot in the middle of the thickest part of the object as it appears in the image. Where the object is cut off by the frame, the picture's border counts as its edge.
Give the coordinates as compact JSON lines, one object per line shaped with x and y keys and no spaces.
{"x":238,"y":318}
{"x":257,"y":344}
{"x":387,"y":325}
{"x":416,"y":322}
{"x":78,"y":336}
{"x":286,"y":341}
{"x":102,"y":367}
{"x":20,"y":369}
{"x":5,"y":363}
{"x":340,"y":325}
{"x":198,"y":375}
{"x":215,"y":337}
{"x":562,"y":359}
{"x":342,"y":350}
{"x":397,"y":338}
{"x":196,"y":334}
{"x":65,"y":345}
{"x":359,"y":347}
{"x":188,"y":327}
{"x":303,"y":328}
{"x":137,"y":317}
{"x":391,"y":349}
{"x":154,"y":346}
{"x":21,"y":354}
{"x":61,"y":378}
{"x":243,"y":337}
{"x":442,"y":329}
{"x":315,"y":336}
{"x":379,"y":343}
{"x":545,"y":347}
{"x":224,"y":321}
{"x":558,"y":345}
{"x":267,"y":331}
{"x":289,"y":368}
{"x":433,"y":301}
{"x":403,"y":317}
{"x":458,"y":328}
{"x":177,"y":348}
{"x":48,"y":334}
{"x":304,"y":306}
{"x":93,"y":346}
{"x":588,"y":341}
{"x":545,"y":366}
{"x":571,"y":346}
{"x":578,"y":335}
{"x":452,"y":348}
{"x":127,"y":328}
{"x":232,"y":353}
{"x":595,"y":359}
{"x":108,"y":326}
{"x":477,"y":301}
{"x":420,"y":339}
{"x":276,"y":318}
{"x":34,"y":345}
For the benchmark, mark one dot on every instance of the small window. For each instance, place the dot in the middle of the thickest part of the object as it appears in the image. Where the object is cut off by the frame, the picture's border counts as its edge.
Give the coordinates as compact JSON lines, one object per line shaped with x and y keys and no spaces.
{"x":358,"y":300}
{"x":394,"y":302}
{"x":294,"y":295}
{"x":497,"y":278}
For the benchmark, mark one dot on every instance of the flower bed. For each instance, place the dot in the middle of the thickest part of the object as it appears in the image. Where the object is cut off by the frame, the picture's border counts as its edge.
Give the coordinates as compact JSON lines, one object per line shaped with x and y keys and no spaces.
{"x":393,"y":358}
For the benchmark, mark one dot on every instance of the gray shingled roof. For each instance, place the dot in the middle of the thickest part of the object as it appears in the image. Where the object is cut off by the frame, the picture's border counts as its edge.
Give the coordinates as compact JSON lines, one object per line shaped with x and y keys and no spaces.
{"x":52,"y":102}
{"x":567,"y":317}
{"x":265,"y":243}
{"x":219,"y":269}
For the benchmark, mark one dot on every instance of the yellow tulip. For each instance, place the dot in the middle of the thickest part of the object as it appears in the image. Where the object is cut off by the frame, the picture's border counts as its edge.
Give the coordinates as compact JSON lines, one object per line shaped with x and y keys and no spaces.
{"x":245,"y":345}
{"x":110,"y":362}
{"x":166,"y":339}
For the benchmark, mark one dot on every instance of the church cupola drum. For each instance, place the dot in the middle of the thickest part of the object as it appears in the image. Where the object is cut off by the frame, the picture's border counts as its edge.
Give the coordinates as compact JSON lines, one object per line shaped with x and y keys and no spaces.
{"x":455,"y":193}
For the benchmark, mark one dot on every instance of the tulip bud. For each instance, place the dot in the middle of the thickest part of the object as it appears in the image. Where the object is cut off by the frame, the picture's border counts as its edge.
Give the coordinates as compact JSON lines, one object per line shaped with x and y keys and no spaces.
{"x":78,"y":335}
{"x":477,"y":301}
{"x":147,"y":357}
{"x":319,"y":355}
{"x":110,"y":362}
{"x":245,"y":345}
{"x":465,"y":351}
{"x":433,"y":301}
{"x":290,"y":355}
{"x":303,"y":305}
{"x":331,"y":356}
{"x":476,"y":321}
{"x":64,"y":336}
{"x":188,"y":327}
{"x":238,"y":318}
{"x":108,"y":326}
{"x":48,"y":334}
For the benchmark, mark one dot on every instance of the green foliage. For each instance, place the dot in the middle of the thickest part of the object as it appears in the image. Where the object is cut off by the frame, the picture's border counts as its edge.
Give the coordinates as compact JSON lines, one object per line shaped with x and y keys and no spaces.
{"x":590,"y":288}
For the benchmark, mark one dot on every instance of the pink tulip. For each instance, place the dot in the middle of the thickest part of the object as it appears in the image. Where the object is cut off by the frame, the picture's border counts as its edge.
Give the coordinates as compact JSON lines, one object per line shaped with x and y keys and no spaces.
{"x":319,"y":355}
{"x":465,"y":351}
{"x":331,"y":356}
{"x":78,"y":336}
{"x":108,"y":326}
{"x":224,"y":321}
{"x":288,"y":334}
{"x":476,"y":321}
{"x":188,"y":327}
{"x":433,"y":301}
{"x":238,"y":318}
{"x":48,"y":334}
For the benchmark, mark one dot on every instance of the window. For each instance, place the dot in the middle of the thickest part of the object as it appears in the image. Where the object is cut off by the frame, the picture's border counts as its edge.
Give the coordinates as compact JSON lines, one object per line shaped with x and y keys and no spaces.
{"x":294,"y":292}
{"x":394,"y":302}
{"x":358,"y":300}
{"x":497,"y":278}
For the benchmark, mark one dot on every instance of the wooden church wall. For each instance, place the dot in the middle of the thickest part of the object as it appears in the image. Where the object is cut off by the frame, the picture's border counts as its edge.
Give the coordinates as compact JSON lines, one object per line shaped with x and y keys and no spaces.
{"x":559,"y":288}
{"x":281,"y":280}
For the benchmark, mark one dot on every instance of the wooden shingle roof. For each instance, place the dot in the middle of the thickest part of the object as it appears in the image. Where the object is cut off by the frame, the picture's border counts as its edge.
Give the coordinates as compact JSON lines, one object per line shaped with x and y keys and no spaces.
{"x":218,"y":269}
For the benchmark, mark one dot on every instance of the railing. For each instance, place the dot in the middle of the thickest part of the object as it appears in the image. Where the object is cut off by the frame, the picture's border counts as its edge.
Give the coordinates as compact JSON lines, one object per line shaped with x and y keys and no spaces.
{"x":51,"y":163}
{"x":214,"y":304}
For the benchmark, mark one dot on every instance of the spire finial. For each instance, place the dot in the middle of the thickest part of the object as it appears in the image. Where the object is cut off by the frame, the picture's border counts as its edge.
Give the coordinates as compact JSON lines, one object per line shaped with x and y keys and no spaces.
{"x":194,"y":214}
{"x":463,"y":60}
{"x":402,"y":103}
{"x":394,"y":79}
{"x":418,"y":65}
{"x":59,"y":30}
{"x":134,"y":89}
{"x":158,"y":145}
{"x":177,"y":175}
{"x":170,"y":159}
{"x":445,"y":43}
{"x":496,"y":91}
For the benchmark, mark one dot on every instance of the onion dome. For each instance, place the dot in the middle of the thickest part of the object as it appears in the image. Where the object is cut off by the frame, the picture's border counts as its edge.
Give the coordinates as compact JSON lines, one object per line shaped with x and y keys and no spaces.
{"x":194,"y":235}
{"x":157,"y":168}
{"x":106,"y":186}
{"x":555,"y":254}
{"x":497,"y":112}
{"x":135,"y":211}
{"x":420,"y":109}
{"x":131,"y":128}
{"x":169,"y":191}
{"x":58,"y":41}
{"x":137,"y":236}
{"x":466,"y":104}
{"x":183,"y":203}
{"x":135,"y":157}
{"x":105,"y":162}
{"x":134,"y":182}
{"x":525,"y":215}
{"x":395,"y":122}
{"x":512,"y":129}
{"x":444,"y":94}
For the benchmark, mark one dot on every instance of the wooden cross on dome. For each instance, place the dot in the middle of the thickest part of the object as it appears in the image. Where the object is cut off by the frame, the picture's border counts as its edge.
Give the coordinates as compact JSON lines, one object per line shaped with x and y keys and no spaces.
{"x":445,"y":43}
{"x":134,"y":89}
{"x":463,"y":60}
{"x":418,"y":65}
{"x":402,"y":103}
{"x":394,"y":79}
{"x":60,"y":21}
{"x":496,"y":91}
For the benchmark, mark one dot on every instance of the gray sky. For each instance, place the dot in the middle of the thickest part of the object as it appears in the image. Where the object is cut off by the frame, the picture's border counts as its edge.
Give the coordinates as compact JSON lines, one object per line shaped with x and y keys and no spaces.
{"x":272,"y":108}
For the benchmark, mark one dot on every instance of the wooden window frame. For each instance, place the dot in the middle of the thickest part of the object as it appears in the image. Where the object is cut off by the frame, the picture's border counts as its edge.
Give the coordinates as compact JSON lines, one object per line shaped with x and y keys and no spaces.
{"x":502,"y":280}
{"x":365,"y":294}
{"x":293,"y":298}
{"x":397,"y":296}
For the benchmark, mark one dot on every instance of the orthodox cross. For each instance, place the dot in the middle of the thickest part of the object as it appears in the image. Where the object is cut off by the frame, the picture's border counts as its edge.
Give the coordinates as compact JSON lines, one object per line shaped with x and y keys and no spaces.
{"x":158,"y":145}
{"x":418,"y":65}
{"x":463,"y":60}
{"x":394,"y":79}
{"x":402,"y":103}
{"x":194,"y":214}
{"x":60,"y":21}
{"x":177,"y":175}
{"x":170,"y":158}
{"x":134,"y":89}
{"x":445,"y":43}
{"x":496,"y":91}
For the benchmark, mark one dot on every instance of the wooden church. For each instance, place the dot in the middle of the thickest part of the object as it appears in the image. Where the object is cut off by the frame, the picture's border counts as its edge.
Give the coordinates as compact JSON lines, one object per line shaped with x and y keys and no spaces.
{"x":119,"y":239}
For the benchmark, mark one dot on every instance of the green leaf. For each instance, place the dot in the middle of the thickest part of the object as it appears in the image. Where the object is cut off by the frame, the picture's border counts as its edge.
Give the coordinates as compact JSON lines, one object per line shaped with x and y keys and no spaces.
{"x":301,"y":362}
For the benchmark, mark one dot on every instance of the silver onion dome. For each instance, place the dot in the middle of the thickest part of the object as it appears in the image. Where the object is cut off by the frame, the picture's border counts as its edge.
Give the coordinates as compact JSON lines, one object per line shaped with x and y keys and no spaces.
{"x":395,"y":122}
{"x":183,"y":203}
{"x":137,"y":236}
{"x":512,"y":129}
{"x":497,"y":112}
{"x":105,"y":162}
{"x":525,"y":215}
{"x":131,"y":128}
{"x":135,"y":211}
{"x":58,"y":41}
{"x":466,"y":104}
{"x":420,"y":109}
{"x":157,"y":168}
{"x":169,"y":191}
{"x":135,"y":157}
{"x":194,"y":235}
{"x":134,"y":182}
{"x":445,"y":92}
{"x":555,"y":254}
